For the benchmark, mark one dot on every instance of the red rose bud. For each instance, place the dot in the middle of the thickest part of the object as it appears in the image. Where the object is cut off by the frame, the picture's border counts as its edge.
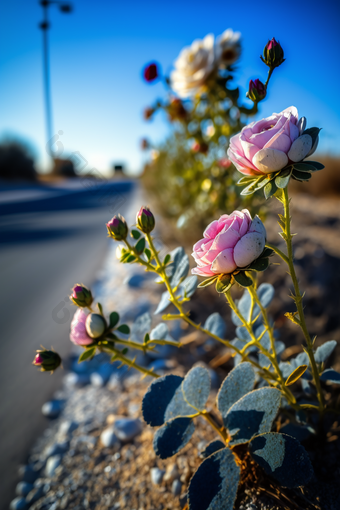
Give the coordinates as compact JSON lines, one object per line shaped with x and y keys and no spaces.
{"x":150,"y":72}
{"x":273,"y":54}
{"x":176,"y":110}
{"x":81,"y":296}
{"x":200,"y":147}
{"x":117,"y":228}
{"x":144,"y":144}
{"x":148,"y":113}
{"x":257,"y":91}
{"x":145,"y":220}
{"x":95,"y":325}
{"x":47,"y":360}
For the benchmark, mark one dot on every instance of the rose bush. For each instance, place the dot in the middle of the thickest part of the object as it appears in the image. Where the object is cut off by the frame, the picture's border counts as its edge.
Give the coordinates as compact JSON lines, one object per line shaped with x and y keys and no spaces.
{"x":233,"y":241}
{"x":270,"y":144}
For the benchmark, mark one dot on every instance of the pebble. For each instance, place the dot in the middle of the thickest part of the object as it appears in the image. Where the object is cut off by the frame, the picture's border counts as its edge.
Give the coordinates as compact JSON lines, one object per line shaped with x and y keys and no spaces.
{"x":35,"y":494}
{"x":134,"y":281}
{"x":52,"y":408}
{"x":55,"y":449}
{"x":73,"y":380}
{"x":90,"y":441}
{"x":18,"y":504}
{"x":108,"y":437}
{"x":127,"y":428}
{"x":23,"y":488}
{"x":52,"y":464}
{"x":67,"y":427}
{"x":157,"y":475}
{"x":28,"y":474}
{"x":171,"y":473}
{"x":176,"y":487}
{"x":101,"y":376}
{"x":115,"y":383}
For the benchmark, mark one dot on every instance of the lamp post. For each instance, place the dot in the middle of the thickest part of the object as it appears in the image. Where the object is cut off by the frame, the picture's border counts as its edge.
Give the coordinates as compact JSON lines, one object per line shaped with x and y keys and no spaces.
{"x":45,"y":25}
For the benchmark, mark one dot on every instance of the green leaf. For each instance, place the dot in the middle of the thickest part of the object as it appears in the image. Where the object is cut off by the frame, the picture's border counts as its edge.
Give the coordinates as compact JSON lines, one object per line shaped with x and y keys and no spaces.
{"x":123,"y":328}
{"x":131,"y":258}
{"x":146,"y":338}
{"x":114,"y":319}
{"x":250,"y":189}
{"x":167,"y":259}
{"x":223,"y":283}
{"x":147,"y":253}
{"x":242,"y":279}
{"x":270,"y":189}
{"x":135,"y":234}
{"x":296,"y":374}
{"x":318,"y":166}
{"x":207,"y":281}
{"x":124,"y":257}
{"x":125,"y":351}
{"x":100,"y":308}
{"x":246,"y":180}
{"x":267,"y":252}
{"x":260,"y":264}
{"x":140,"y":246}
{"x":87,"y":354}
{"x":301,"y":176}
{"x":282,"y":179}
{"x":304,"y":167}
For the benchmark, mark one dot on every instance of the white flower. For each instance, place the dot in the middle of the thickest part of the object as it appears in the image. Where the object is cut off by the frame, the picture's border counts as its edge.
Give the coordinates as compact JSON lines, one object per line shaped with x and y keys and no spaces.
{"x":194,"y":66}
{"x":228,"y":47}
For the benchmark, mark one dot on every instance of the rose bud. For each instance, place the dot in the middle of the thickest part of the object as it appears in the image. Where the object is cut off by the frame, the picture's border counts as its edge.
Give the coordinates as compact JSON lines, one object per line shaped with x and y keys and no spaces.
{"x":148,"y":113}
{"x":95,"y":325}
{"x":270,"y":144}
{"x":78,"y":333}
{"x":145,"y":220}
{"x":81,"y":295}
{"x":145,"y":145}
{"x":230,"y":243}
{"x":200,"y":147}
{"x":150,"y":72}
{"x":257,"y":91}
{"x":47,"y":360}
{"x":224,"y":163}
{"x":273,"y":54}
{"x":117,"y":228}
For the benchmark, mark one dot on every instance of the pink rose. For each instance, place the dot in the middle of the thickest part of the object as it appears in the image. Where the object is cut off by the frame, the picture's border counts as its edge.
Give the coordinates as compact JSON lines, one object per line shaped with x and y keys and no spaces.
{"x":233,"y":241}
{"x":78,"y":333}
{"x":268,"y":145}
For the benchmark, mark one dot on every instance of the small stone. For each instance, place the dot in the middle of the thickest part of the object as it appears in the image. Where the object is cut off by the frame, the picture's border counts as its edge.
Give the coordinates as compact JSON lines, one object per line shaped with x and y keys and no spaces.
{"x":115,"y":383}
{"x":108,"y":437}
{"x":51,"y":409}
{"x":28,"y":474}
{"x":134,"y":281}
{"x":171,"y":473}
{"x":67,"y":427}
{"x":23,"y":488}
{"x":157,"y":475}
{"x":127,"y":428}
{"x":176,"y":487}
{"x":90,"y":441}
{"x":18,"y":504}
{"x":52,"y":464}
{"x":56,"y":449}
{"x":101,"y":376}
{"x":73,"y":380}
{"x":35,"y":494}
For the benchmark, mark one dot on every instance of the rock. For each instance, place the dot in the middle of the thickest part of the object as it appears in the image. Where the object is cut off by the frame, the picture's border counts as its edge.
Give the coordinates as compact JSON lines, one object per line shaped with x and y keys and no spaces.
{"x":115,"y":383}
{"x":67,"y":427}
{"x":28,"y":474}
{"x":127,"y":428}
{"x":90,"y":441}
{"x":134,"y":281}
{"x":101,"y":376}
{"x":23,"y":488}
{"x":108,"y":437}
{"x":157,"y":475}
{"x":35,"y":494}
{"x":52,"y":464}
{"x":18,"y":504}
{"x":52,"y":408}
{"x":55,"y":449}
{"x":176,"y":487}
{"x":73,"y":380}
{"x":171,"y":473}
{"x":134,"y":408}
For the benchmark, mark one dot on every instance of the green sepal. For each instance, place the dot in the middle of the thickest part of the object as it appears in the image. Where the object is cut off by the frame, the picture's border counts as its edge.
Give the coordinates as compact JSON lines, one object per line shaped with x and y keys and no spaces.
{"x":260,"y":264}
{"x":140,"y":246}
{"x":111,"y":336}
{"x":147,"y":253}
{"x":242,"y":279}
{"x":114,"y":319}
{"x":123,"y":328}
{"x":270,"y":189}
{"x":256,"y":184}
{"x":146,"y":338}
{"x":267,"y":252}
{"x":125,"y":351}
{"x":125,"y":256}
{"x":130,"y":258}
{"x":208,"y":281}
{"x":313,"y":133}
{"x":318,"y":166}
{"x":245,"y":180}
{"x":135,"y":234}
{"x":282,"y":180}
{"x":100,"y":308}
{"x":223,"y":283}
{"x":167,"y":259}
{"x":301,"y":176}
{"x":87,"y":354}
{"x":304,"y":167}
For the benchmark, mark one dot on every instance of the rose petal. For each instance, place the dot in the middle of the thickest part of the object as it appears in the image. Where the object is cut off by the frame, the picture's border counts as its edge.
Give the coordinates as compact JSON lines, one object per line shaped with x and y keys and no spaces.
{"x":249,"y":248}
{"x":211,"y":229}
{"x":226,"y":239}
{"x":224,"y":262}
{"x":257,"y":226}
{"x":270,"y":160}
{"x":202,"y":271}
{"x":300,"y":148}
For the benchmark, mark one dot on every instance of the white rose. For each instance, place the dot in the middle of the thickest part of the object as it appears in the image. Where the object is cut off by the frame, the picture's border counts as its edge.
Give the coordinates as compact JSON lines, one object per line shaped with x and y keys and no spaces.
{"x":194,"y":66}
{"x":228,"y":47}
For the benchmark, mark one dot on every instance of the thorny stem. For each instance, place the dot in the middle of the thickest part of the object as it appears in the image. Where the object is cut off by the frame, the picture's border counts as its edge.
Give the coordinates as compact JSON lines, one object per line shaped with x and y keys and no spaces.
{"x":270,"y":72}
{"x":278,"y":252}
{"x":118,"y":355}
{"x":298,"y":299}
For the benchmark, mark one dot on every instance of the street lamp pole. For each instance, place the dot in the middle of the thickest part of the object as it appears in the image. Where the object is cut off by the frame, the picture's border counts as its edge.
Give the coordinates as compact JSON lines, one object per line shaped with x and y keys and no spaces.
{"x":45,"y":25}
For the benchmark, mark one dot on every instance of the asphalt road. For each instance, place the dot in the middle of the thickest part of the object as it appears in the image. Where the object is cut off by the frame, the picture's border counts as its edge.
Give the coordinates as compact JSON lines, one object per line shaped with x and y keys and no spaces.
{"x":50,"y":238}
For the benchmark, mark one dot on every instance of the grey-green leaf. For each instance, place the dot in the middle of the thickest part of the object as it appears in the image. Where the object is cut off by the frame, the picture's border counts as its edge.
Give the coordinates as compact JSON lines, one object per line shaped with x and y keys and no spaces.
{"x":196,"y":388}
{"x":173,"y":436}
{"x":114,"y":319}
{"x":238,"y":383}
{"x":242,"y":279}
{"x":216,"y":325}
{"x":324,"y":351}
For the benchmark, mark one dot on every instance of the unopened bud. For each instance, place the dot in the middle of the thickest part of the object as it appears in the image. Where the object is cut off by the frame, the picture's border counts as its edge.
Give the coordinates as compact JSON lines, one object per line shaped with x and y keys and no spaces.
{"x":200,"y":147}
{"x":81,"y":296}
{"x":145,"y":220}
{"x":148,"y":113}
{"x":151,"y":72}
{"x":117,"y":228}
{"x":95,"y":325}
{"x":145,"y":145}
{"x":257,"y":90}
{"x":47,"y":360}
{"x":273,"y":54}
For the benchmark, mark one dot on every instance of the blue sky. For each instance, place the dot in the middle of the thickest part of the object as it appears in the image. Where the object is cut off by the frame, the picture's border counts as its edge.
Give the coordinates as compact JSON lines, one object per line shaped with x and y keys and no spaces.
{"x":98,"y":51}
